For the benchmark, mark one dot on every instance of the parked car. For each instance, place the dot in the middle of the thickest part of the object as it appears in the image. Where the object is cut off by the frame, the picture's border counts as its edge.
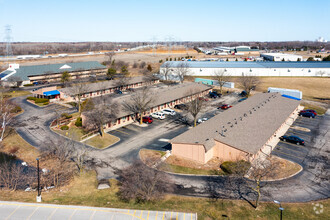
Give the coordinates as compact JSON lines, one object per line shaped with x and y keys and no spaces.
{"x":147,"y":119}
{"x":201,"y":120}
{"x":203,"y":99}
{"x":309,"y":110}
{"x":130,"y":90}
{"x":214,"y":95}
{"x":293,"y":139}
{"x":169,"y":112}
{"x":225,"y":107}
{"x":241,"y":100}
{"x":158,"y":115}
{"x":243,"y":93}
{"x":117,"y":91}
{"x":180,"y":106}
{"x":307,"y":114}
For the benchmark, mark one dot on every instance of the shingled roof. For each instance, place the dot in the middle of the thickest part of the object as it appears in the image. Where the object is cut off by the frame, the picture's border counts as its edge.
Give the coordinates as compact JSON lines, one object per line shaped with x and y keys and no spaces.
{"x":161,"y":96}
{"x":246,"y":126}
{"x":93,"y":87}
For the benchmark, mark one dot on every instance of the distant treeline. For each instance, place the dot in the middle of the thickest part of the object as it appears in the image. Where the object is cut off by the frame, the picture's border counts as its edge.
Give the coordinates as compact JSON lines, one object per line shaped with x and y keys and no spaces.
{"x":26,"y":48}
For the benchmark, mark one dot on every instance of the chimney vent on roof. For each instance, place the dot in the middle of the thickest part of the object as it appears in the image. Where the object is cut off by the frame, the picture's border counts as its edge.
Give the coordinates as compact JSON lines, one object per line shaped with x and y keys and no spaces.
{"x":250,"y":112}
{"x":240,"y":118}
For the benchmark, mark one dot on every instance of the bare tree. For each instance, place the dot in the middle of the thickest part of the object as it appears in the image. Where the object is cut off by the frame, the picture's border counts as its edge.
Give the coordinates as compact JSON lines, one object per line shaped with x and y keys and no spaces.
{"x":140,"y":102}
{"x":320,"y":73}
{"x":110,"y":56}
{"x":222,"y":77}
{"x":166,"y":69}
{"x":11,"y":174}
{"x":249,"y":82}
{"x":78,"y":90}
{"x":104,"y":111}
{"x":6,"y":115}
{"x":194,"y":107}
{"x":182,"y":69}
{"x":141,"y":183}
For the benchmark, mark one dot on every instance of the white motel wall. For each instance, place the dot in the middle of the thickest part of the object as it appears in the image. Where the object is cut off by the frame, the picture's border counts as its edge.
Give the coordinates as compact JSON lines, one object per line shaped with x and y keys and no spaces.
{"x":254,"y":68}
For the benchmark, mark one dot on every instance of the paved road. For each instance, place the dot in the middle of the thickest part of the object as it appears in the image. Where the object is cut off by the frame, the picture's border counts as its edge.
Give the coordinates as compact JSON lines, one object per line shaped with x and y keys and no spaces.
{"x":35,"y":211}
{"x":311,"y":184}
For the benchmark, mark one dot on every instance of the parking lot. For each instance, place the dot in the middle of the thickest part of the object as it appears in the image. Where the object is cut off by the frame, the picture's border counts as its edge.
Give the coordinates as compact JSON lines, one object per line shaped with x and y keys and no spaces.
{"x":298,"y":153}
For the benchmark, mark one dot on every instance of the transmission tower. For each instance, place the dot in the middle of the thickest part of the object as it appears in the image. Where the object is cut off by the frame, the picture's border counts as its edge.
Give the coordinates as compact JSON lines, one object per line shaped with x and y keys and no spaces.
{"x":8,"y":39}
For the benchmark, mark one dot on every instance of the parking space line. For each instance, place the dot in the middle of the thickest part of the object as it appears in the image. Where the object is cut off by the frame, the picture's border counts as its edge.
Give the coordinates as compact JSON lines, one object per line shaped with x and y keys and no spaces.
{"x":156,"y":215}
{"x":302,"y":146}
{"x":292,"y":149}
{"x":51,"y":215}
{"x":92,"y":216}
{"x":148,"y":215}
{"x":141,"y":214}
{"x":184,"y":216}
{"x":177,"y":216}
{"x":288,"y":154}
{"x":13,"y":212}
{"x":171,"y":215}
{"x":33,"y":213}
{"x":121,"y":131}
{"x":74,"y":212}
{"x":163,"y":215}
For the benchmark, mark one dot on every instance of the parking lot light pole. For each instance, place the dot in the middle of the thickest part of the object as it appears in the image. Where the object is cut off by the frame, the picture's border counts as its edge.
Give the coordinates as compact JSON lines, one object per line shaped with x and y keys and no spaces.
{"x":38,"y":196}
{"x":280,"y":208}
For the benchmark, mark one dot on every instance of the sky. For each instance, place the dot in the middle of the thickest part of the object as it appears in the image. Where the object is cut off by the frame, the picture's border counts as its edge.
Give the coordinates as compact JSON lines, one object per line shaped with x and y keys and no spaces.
{"x":149,"y":20}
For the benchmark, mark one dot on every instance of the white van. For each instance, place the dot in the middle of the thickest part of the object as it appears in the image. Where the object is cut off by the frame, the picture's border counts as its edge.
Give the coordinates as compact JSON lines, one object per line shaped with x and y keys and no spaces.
{"x":159,"y":115}
{"x":169,"y":112}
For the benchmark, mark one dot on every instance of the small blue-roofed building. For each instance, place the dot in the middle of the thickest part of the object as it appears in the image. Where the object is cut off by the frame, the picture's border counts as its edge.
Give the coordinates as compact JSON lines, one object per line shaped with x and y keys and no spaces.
{"x":237,"y":68}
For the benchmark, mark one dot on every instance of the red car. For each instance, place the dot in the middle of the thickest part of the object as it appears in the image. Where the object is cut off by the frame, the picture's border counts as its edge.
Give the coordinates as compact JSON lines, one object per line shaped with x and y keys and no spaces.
{"x":203,"y":99}
{"x":224,"y":107}
{"x":309,"y":110}
{"x":147,"y":119}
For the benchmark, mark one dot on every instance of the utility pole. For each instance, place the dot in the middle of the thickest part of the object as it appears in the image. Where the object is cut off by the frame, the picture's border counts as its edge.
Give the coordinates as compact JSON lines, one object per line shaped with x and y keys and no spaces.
{"x":38,"y":170}
{"x":8,"y":39}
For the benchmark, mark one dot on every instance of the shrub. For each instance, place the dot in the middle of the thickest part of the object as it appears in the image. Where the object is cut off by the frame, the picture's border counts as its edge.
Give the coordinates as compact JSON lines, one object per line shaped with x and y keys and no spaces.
{"x":66,"y":115}
{"x":46,"y":103}
{"x":16,"y":109}
{"x":29,"y":84}
{"x":31,"y":98}
{"x":238,"y":167}
{"x":64,"y":127}
{"x":160,"y":61}
{"x":41,"y":100}
{"x":78,"y":122}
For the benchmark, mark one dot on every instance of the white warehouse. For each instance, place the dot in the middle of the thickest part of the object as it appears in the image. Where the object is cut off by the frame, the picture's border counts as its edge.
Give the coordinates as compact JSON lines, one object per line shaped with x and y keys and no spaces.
{"x":233,"y":68}
{"x":281,"y":57}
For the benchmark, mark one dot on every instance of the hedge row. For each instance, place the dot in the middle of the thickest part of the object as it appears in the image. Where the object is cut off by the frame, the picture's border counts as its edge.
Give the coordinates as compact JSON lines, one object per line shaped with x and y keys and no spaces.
{"x":64,"y":127}
{"x":66,"y":115}
{"x":231,"y":167}
{"x":37,"y":100}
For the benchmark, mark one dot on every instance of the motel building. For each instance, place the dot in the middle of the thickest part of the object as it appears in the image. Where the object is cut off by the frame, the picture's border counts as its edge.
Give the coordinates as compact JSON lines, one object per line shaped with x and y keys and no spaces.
{"x":92,"y":90}
{"x":166,"y":97}
{"x":241,"y":133}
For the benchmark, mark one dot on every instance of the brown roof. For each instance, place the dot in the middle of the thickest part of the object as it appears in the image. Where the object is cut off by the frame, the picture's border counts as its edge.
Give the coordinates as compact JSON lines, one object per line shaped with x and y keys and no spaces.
{"x":161,"y":95}
{"x":93,"y":87}
{"x":246,"y":126}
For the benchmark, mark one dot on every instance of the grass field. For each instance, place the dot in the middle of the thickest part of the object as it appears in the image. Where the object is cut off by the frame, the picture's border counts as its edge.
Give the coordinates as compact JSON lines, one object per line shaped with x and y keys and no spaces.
{"x":102,"y":142}
{"x":319,"y":110}
{"x":17,"y":93}
{"x":313,"y":88}
{"x":82,"y":191}
{"x":14,"y":142}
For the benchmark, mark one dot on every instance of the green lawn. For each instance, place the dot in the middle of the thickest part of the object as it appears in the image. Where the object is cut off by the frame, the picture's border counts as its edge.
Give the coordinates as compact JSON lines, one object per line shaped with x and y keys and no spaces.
{"x":102,"y":142}
{"x":82,"y":191}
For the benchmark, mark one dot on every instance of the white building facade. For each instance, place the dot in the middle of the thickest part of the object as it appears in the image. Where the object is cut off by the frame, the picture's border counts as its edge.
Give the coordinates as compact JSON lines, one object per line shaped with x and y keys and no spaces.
{"x":293,"y":69}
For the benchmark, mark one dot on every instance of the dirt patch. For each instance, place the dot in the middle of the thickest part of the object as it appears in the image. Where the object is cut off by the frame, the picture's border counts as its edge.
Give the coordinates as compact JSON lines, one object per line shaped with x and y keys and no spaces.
{"x":286,"y":168}
{"x":213,"y":164}
{"x":150,"y":157}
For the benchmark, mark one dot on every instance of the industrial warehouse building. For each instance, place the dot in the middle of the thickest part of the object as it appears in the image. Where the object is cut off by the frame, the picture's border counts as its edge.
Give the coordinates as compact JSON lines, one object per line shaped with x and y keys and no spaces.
{"x":242,"y":132}
{"x":281,"y":57}
{"x":166,"y":97}
{"x":51,"y":72}
{"x":238,"y":68}
{"x":92,"y":90}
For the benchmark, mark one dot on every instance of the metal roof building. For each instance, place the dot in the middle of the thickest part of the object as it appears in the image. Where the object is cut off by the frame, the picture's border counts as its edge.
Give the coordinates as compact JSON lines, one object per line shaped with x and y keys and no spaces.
{"x":207,"y":68}
{"x":25,"y":73}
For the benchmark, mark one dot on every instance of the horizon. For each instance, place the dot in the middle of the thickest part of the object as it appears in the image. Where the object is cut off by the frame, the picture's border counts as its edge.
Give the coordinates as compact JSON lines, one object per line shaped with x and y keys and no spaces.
{"x":148,"y":21}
